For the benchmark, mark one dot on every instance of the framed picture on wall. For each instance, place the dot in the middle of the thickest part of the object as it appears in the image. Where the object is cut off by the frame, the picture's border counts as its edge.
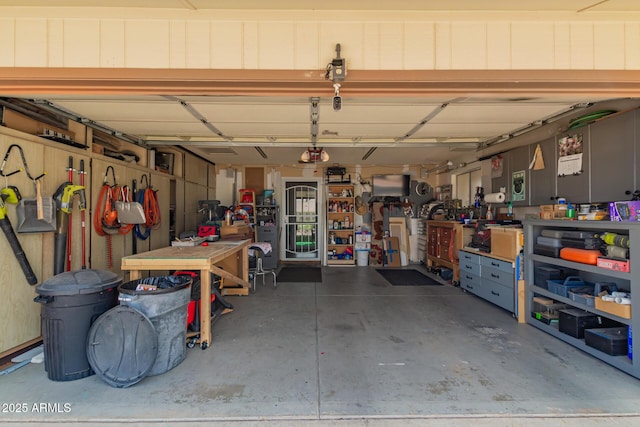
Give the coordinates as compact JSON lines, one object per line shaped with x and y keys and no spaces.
{"x":517,"y":186}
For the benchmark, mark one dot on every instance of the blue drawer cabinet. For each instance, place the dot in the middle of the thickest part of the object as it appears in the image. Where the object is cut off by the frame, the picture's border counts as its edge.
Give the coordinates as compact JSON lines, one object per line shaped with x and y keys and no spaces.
{"x":469,"y":267}
{"x":499,"y":295}
{"x":498,"y":276}
{"x":489,"y":278}
{"x":470,"y":282}
{"x":498,"y":264}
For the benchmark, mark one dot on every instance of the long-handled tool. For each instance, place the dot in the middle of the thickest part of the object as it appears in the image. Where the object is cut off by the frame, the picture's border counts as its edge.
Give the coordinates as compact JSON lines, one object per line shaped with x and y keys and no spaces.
{"x":5,"y":224}
{"x":82,"y":215}
{"x":134,"y":241}
{"x":70,"y":229}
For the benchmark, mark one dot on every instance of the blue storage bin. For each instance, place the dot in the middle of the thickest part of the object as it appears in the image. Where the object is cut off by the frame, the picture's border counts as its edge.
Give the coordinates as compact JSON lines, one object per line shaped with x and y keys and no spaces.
{"x":562,"y":287}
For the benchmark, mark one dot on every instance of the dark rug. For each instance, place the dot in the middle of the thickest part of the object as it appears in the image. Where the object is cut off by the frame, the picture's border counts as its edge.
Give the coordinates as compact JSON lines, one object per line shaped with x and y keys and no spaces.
{"x":404,"y":277}
{"x":300,"y":274}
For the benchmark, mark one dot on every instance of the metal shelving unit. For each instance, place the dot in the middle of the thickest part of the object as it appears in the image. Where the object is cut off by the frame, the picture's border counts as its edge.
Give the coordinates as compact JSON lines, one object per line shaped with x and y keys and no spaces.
{"x":628,"y":281}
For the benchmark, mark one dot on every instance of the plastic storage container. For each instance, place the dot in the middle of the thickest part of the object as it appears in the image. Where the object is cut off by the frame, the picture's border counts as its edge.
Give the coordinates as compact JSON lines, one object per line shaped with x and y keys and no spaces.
{"x":574,"y":322}
{"x":362,"y":257}
{"x":71,"y":302}
{"x":542,"y":274}
{"x":613,"y":341}
{"x":562,"y":287}
{"x":166,"y":307}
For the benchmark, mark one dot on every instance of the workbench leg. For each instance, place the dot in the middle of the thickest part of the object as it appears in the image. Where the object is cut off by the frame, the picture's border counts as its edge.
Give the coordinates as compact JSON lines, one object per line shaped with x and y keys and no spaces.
{"x":205,"y":308}
{"x":243,"y":264}
{"x":134,"y":275}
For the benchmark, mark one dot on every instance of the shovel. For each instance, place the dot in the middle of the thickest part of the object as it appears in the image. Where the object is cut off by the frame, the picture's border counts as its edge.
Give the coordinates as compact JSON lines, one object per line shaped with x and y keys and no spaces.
{"x":5,"y":224}
{"x":36,"y":215}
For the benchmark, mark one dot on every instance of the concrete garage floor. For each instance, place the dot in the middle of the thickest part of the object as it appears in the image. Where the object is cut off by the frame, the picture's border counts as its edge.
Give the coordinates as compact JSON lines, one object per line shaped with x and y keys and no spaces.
{"x":352,"y":350}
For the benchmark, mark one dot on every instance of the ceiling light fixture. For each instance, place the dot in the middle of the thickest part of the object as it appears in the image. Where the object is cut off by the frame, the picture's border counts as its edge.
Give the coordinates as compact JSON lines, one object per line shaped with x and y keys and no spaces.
{"x":314,"y":155}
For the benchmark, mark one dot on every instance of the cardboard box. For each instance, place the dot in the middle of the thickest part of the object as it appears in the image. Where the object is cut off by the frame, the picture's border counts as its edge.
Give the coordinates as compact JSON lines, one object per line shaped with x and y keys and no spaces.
{"x":240,"y":231}
{"x":628,"y":211}
{"x":620,"y":310}
{"x":553,"y":211}
{"x":506,"y":242}
{"x":613,"y":264}
{"x":392,"y":251}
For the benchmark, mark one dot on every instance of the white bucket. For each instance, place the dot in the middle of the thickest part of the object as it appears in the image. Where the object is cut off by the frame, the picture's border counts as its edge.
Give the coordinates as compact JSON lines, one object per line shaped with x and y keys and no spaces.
{"x":362,"y":257}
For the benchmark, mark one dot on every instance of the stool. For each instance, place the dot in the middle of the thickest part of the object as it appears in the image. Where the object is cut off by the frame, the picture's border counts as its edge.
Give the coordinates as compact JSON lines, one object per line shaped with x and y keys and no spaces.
{"x":260,"y":250}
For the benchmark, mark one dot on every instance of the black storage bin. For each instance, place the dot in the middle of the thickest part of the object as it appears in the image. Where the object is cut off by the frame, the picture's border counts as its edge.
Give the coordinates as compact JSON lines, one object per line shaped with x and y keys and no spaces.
{"x":71,"y":302}
{"x":545,"y":250}
{"x":573,"y":321}
{"x":612,"y":341}
{"x":542,"y":274}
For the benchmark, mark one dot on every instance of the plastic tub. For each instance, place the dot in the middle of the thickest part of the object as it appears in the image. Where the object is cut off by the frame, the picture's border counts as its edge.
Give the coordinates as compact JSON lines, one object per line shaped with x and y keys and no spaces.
{"x":562,"y":287}
{"x":362,"y":257}
{"x":166,"y":307}
{"x":71,"y":302}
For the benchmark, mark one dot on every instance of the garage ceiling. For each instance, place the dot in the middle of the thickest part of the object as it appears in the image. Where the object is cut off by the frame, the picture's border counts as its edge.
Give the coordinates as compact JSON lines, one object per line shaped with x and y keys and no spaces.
{"x":401,"y":130}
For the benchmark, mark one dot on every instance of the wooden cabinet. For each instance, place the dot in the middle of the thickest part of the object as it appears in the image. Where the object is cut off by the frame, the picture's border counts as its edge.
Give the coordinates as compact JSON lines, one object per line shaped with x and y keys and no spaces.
{"x":537,"y":287}
{"x":340,"y":224}
{"x":444,"y":239}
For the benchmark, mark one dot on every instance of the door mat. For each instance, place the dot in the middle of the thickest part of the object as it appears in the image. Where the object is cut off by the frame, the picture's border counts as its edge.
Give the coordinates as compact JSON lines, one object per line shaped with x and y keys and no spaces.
{"x":404,"y":277}
{"x":300,"y":274}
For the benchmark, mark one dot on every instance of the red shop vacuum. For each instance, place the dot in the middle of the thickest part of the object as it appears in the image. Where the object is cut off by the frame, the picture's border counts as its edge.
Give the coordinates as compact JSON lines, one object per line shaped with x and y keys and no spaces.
{"x":219,"y":305}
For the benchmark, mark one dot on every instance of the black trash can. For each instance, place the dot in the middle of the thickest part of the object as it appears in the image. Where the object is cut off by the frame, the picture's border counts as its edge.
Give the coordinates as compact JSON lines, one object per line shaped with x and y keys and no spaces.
{"x":71,"y":302}
{"x":164,"y":300}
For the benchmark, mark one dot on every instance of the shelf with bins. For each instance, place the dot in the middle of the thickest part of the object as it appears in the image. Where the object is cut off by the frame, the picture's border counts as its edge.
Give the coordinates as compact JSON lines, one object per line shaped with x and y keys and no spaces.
{"x":340,"y":224}
{"x":537,"y":289}
{"x":247,"y":203}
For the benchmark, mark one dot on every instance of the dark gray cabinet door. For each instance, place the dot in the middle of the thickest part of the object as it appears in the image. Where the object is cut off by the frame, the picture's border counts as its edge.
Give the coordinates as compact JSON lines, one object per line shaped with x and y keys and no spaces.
{"x":543,"y":181}
{"x":575,"y":188}
{"x":503,"y":180}
{"x":612,"y":142}
{"x":636,"y":169}
{"x":519,"y":185}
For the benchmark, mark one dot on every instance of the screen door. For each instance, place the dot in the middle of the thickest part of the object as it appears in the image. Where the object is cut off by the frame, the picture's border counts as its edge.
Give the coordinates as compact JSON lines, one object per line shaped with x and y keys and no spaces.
{"x":301,"y":221}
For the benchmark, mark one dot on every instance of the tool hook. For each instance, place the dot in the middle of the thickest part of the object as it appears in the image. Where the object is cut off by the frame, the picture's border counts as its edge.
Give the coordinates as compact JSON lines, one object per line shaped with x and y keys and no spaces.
{"x":113,"y":174}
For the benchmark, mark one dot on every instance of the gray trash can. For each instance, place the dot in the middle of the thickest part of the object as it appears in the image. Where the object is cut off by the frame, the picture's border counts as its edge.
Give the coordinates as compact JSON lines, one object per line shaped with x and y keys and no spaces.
{"x":166,"y":307}
{"x":71,"y":302}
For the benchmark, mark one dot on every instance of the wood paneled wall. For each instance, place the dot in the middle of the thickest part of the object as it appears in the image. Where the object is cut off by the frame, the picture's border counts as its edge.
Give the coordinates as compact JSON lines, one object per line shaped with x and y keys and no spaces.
{"x":19,"y":314}
{"x":382,"y":40}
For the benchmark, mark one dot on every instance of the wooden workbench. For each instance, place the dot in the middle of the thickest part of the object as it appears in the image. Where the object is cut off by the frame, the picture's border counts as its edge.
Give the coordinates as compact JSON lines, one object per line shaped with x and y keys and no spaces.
{"x":227,"y":259}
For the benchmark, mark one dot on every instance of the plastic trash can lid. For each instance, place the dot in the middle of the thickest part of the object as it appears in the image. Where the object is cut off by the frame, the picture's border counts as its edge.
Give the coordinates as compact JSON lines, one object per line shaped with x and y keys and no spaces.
{"x":122,"y":346}
{"x":78,"y":282}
